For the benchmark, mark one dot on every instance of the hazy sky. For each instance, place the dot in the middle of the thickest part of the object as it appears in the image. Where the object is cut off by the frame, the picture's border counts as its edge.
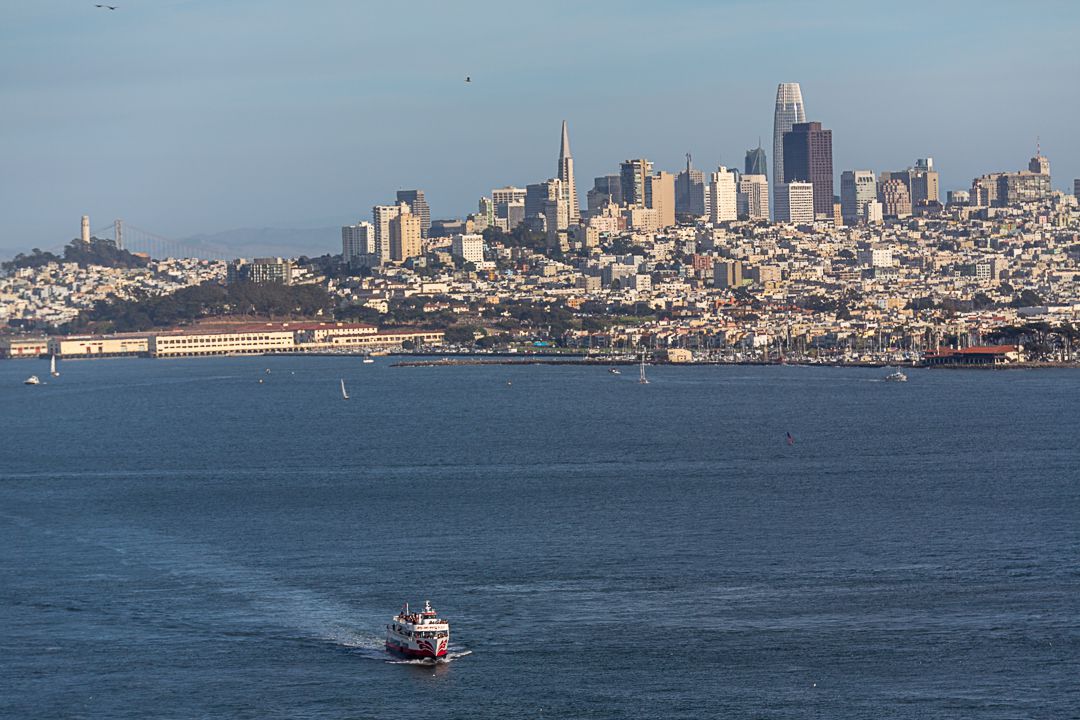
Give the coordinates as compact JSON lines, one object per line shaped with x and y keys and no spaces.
{"x":188,"y":116}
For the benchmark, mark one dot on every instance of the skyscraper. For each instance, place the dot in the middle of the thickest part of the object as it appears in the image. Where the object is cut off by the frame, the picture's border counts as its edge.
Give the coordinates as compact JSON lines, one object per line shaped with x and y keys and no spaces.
{"x":405,"y":240}
{"x":660,"y":196}
{"x":1040,"y":164}
{"x":857,"y":188}
{"x":808,"y":158}
{"x":606,"y":188}
{"x":789,"y":110}
{"x":632,"y":180}
{"x":417,"y":206}
{"x":358,"y":243}
{"x":381,"y":216}
{"x":753,"y":198}
{"x":536,"y":198}
{"x":895,"y":198}
{"x":566,"y":175}
{"x":690,"y":192}
{"x":756,"y":163}
{"x":723,"y":196}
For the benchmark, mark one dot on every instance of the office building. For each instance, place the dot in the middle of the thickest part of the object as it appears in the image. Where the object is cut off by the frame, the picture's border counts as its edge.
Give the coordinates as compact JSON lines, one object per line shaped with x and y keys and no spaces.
{"x":753,"y":197}
{"x":857,"y":187}
{"x":469,"y":248}
{"x":417,"y":206}
{"x":566,"y":176}
{"x":632,"y":174}
{"x":788,"y":111}
{"x":557,"y":216}
{"x":358,"y":243}
{"x":756,"y":163}
{"x":606,"y":189}
{"x":1023,"y":187}
{"x":690,"y":192}
{"x":660,"y":196}
{"x":723,"y":200}
{"x":405,"y":237}
{"x":1040,"y":165}
{"x":795,"y":203}
{"x":1076,"y":188}
{"x":873,"y":213}
{"x":537,"y":196}
{"x":509,"y":204}
{"x":808,"y":158}
{"x":894,"y":198}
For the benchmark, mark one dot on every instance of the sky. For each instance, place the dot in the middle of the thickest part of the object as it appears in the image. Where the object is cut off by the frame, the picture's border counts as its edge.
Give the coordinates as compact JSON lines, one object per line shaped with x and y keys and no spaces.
{"x":197,"y":116}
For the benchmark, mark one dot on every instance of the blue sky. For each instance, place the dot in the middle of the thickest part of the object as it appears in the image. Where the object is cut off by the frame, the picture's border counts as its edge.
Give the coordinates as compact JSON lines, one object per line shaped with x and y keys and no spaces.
{"x":189,"y":116}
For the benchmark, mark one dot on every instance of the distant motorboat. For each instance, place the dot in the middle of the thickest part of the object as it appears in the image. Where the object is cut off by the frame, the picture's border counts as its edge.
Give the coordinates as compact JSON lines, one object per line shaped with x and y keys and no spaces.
{"x":32,"y":380}
{"x":897,"y":376}
{"x":615,"y":371}
{"x":344,"y":393}
{"x":368,"y":360}
{"x":52,"y":367}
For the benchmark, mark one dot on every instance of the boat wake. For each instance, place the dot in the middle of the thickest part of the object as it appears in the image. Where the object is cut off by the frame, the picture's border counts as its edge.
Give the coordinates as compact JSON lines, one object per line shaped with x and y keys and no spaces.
{"x":426,"y":662}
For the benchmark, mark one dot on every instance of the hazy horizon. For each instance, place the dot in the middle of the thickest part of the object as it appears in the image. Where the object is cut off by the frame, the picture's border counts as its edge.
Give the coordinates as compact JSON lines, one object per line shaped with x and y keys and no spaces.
{"x":191,"y":117}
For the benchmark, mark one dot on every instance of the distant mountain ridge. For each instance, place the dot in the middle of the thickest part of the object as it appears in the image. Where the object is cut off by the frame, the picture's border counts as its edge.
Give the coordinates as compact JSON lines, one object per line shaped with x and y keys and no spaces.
{"x":270,"y":242}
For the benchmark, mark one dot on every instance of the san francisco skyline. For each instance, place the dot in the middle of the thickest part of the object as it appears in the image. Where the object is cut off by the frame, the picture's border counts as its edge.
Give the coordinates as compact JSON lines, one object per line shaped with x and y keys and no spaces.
{"x":149,"y":113}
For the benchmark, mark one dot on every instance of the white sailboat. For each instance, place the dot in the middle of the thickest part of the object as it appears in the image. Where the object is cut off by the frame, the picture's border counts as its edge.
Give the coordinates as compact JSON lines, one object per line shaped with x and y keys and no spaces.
{"x":643,"y":380}
{"x":344,"y":393}
{"x":52,"y":367}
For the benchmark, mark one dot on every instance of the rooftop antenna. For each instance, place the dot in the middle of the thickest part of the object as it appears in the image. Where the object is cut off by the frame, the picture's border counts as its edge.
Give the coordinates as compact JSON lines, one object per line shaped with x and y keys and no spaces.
{"x":1038,"y":147}
{"x":688,"y":162}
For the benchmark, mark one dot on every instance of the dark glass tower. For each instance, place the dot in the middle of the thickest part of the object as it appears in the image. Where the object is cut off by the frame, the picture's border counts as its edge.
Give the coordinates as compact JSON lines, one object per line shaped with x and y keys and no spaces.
{"x":808,"y":158}
{"x":756,"y":163}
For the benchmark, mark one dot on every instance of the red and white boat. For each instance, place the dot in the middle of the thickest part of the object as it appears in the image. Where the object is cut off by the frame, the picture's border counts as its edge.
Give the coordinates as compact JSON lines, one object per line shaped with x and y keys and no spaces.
{"x":420,"y":635}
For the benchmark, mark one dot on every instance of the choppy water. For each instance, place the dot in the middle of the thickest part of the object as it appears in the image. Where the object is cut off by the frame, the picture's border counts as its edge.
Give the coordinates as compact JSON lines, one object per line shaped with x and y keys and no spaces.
{"x":177,"y":540}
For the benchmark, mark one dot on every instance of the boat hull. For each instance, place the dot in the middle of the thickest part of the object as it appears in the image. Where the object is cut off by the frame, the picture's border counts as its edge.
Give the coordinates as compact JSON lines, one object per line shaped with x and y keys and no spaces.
{"x":430,"y":650}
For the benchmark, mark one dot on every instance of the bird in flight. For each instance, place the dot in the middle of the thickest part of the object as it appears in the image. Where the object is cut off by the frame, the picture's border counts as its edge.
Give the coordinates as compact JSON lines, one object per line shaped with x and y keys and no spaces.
{"x":106,"y":7}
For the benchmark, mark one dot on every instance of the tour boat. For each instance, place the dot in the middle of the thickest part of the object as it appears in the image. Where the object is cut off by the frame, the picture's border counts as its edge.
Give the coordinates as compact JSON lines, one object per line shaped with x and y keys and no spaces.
{"x":420,"y":635}
{"x":32,"y":380}
{"x":897,"y":376}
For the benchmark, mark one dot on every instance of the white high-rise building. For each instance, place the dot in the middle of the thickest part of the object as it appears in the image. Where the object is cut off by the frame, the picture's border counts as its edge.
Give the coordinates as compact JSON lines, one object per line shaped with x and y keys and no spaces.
{"x":795,"y":202}
{"x":789,"y":110}
{"x":382,"y":215}
{"x":723,"y":199}
{"x":753,"y":201}
{"x":358,"y":243}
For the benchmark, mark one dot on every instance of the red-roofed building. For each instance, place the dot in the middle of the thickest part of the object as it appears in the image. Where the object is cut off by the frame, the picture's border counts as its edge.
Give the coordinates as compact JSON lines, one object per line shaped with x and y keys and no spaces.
{"x":977,"y":355}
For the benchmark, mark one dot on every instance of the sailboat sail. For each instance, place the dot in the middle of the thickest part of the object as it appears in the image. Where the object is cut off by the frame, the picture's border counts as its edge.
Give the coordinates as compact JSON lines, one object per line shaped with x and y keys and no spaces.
{"x":344,"y":394}
{"x":52,"y":367}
